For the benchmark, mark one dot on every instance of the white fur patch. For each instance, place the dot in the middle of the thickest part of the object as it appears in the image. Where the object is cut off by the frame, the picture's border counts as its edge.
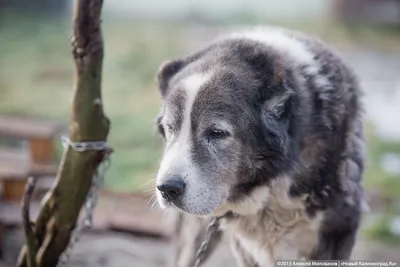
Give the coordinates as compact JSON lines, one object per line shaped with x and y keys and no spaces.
{"x":280,"y":40}
{"x":294,"y":50}
{"x":262,"y":255}
{"x":177,"y":154}
{"x":250,"y":205}
{"x":192,"y":85}
{"x":280,"y":230}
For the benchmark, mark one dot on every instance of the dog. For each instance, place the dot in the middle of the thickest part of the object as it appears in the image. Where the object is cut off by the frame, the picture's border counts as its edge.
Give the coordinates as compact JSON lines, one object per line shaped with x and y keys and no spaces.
{"x":263,"y":128}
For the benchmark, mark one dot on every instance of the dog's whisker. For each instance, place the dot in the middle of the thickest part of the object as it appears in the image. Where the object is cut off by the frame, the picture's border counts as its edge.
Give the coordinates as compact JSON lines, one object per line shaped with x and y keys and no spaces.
{"x":155,"y":202}
{"x":151,"y":198}
{"x":148,"y":182}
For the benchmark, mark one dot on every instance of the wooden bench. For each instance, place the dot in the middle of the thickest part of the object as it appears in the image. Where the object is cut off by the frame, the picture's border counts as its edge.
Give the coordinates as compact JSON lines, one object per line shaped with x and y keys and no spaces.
{"x":17,"y":164}
{"x":15,"y":168}
{"x":39,"y":134}
{"x":10,"y":213}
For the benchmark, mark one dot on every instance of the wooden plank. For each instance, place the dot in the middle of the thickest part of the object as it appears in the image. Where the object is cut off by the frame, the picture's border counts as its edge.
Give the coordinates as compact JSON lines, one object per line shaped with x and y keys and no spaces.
{"x":21,"y":172}
{"x":15,"y":165}
{"x":13,"y":190}
{"x":41,"y":150}
{"x":130,"y":213}
{"x":27,"y":128}
{"x":145,"y":224}
{"x":10,"y":212}
{"x":15,"y":168}
{"x":13,"y":172}
{"x":10,"y":155}
{"x":43,"y":185}
{"x":42,"y":170}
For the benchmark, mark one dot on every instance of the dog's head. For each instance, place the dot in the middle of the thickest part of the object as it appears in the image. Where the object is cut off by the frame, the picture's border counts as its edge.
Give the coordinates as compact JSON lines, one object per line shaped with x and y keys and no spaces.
{"x":226,"y":121}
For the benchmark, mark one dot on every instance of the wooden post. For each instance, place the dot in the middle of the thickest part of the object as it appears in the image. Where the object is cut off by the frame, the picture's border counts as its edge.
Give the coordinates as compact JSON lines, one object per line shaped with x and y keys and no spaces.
{"x":59,"y":214}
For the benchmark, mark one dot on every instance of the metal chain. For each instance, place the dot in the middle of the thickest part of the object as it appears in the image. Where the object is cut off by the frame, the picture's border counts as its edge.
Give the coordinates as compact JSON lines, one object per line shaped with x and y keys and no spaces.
{"x":201,"y":253}
{"x":84,"y":146}
{"x":91,"y":198}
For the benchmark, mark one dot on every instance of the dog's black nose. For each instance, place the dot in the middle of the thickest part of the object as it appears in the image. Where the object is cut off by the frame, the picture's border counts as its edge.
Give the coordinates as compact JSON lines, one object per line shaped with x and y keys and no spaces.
{"x":172,"y":188}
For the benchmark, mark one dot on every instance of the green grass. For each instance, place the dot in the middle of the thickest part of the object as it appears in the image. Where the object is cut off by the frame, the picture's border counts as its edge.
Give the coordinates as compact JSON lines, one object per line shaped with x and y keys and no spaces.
{"x":379,"y":229}
{"x":387,"y":186}
{"x":376,"y":178}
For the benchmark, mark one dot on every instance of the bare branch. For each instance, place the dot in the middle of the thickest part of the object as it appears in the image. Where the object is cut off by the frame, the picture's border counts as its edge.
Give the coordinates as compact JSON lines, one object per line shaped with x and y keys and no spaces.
{"x":26,"y":222}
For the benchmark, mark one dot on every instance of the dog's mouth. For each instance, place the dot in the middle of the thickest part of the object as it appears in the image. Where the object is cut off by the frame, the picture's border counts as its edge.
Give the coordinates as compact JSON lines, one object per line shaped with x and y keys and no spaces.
{"x":163,"y":202}
{"x":198,"y":207}
{"x":218,"y":206}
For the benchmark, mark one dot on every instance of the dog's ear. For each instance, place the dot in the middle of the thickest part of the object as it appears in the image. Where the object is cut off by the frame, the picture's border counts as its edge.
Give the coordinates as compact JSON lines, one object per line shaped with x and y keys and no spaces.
{"x":166,"y":71}
{"x":277,"y":96}
{"x":276,"y":107}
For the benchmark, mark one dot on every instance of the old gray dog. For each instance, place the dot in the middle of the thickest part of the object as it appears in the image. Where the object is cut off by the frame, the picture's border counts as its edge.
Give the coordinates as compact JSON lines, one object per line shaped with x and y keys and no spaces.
{"x":263,"y":127}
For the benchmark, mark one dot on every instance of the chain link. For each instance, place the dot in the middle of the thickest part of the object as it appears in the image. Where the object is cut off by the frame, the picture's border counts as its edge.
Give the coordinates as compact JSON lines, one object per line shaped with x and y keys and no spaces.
{"x":92,"y":196}
{"x":85,"y":146}
{"x":212,"y":228}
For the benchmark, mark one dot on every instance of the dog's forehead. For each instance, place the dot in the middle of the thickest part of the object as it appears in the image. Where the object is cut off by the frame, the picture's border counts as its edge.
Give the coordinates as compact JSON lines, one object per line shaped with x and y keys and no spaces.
{"x":214,"y":84}
{"x":202,"y":97}
{"x":183,"y":93}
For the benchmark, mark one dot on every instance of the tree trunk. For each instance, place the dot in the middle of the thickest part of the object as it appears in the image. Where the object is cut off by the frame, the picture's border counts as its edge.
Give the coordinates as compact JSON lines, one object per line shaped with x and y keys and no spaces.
{"x":60,"y":211}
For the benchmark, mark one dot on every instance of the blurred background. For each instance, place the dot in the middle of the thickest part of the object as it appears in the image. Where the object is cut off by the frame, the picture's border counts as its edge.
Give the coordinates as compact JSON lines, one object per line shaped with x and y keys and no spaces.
{"x":36,"y":79}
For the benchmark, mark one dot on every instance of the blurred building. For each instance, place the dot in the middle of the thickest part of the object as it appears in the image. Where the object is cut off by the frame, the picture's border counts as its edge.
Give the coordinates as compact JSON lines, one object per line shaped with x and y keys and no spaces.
{"x":220,"y":9}
{"x":372,"y":11}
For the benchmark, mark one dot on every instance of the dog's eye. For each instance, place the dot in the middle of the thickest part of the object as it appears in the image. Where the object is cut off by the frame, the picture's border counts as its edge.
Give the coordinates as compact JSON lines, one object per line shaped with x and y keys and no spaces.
{"x":165,"y":129}
{"x":217,"y":134}
{"x":161,"y":129}
{"x":169,"y":127}
{"x":169,"y":130}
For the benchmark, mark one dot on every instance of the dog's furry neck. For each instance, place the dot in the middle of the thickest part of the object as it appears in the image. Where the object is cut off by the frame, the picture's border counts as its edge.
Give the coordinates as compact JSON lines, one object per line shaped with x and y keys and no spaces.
{"x":281,"y":226}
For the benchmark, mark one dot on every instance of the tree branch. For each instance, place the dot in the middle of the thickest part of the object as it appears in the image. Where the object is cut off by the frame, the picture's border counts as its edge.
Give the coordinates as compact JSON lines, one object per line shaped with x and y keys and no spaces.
{"x":60,"y":211}
{"x":26,"y":222}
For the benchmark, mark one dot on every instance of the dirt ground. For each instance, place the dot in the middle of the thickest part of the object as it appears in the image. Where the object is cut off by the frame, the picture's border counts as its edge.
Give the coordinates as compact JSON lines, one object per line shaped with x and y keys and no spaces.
{"x":113,"y":249}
